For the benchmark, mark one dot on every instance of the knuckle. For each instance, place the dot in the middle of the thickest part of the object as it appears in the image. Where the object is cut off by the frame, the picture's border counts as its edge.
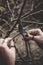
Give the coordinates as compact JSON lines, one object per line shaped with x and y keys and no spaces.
{"x":38,"y":30}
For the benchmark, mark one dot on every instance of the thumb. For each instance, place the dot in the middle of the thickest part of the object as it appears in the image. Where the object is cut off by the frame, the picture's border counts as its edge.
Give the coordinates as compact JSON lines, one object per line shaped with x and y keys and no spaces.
{"x":7,"y":40}
{"x":37,"y":39}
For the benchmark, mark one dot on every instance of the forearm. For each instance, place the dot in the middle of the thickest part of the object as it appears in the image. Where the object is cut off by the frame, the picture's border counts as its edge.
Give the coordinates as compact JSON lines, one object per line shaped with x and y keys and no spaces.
{"x":9,"y":55}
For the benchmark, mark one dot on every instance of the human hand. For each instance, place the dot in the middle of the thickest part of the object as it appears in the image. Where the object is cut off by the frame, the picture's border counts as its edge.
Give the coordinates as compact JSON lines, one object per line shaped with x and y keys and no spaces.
{"x":8,"y":52}
{"x":35,"y":34}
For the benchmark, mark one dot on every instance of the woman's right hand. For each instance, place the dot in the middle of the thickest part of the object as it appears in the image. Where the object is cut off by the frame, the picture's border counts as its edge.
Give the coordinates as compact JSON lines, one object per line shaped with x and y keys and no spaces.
{"x":34,"y":34}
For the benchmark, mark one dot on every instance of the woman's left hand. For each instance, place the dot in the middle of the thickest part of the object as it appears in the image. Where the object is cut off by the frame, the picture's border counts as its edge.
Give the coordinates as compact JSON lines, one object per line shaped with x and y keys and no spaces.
{"x":8,"y":50}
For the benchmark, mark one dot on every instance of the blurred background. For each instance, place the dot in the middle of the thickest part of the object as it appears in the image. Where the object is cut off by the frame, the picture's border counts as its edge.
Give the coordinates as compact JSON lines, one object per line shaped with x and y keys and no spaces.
{"x":32,"y":17}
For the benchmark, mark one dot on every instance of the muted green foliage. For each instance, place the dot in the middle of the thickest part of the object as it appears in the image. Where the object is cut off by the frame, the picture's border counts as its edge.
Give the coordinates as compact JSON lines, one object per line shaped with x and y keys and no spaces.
{"x":2,"y":8}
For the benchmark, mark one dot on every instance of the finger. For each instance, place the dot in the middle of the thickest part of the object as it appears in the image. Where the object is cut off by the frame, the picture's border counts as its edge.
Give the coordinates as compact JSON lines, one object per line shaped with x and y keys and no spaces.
{"x":12,"y":43}
{"x":7,"y":40}
{"x":37,"y":38}
{"x":29,"y":37}
{"x":32,"y":32}
{"x":35,"y":31}
{"x":1,"y":40}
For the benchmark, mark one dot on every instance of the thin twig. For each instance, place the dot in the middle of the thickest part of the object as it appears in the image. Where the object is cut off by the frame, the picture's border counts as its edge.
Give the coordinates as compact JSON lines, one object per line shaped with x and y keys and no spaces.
{"x":38,"y":4}
{"x":9,"y":6}
{"x":31,"y":14}
{"x":5,"y":21}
